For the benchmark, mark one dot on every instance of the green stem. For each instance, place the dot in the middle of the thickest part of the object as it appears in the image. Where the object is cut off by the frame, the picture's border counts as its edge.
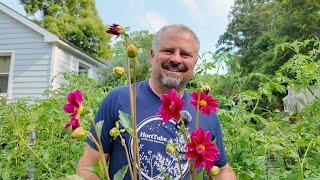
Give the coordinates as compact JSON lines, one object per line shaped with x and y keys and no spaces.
{"x":69,"y":155}
{"x":135,"y":117}
{"x":304,"y":157}
{"x":133,"y":123}
{"x":197,"y":112}
{"x":179,"y":163}
{"x":99,"y":146}
{"x":102,"y":156}
{"x":127,"y":155}
{"x":39,"y":159}
{"x":193,"y":173}
{"x":256,"y":105}
{"x":312,"y":93}
{"x":43,"y":163}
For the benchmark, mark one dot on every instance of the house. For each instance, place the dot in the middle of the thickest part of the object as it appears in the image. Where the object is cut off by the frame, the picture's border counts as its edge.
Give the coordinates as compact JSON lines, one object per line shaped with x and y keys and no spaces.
{"x":296,"y":100}
{"x":31,"y":58}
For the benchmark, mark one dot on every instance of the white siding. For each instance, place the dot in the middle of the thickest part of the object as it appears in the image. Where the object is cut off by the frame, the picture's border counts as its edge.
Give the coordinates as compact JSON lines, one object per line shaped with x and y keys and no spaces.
{"x":67,"y":61}
{"x":63,"y":62}
{"x":31,"y":70}
{"x":296,"y":100}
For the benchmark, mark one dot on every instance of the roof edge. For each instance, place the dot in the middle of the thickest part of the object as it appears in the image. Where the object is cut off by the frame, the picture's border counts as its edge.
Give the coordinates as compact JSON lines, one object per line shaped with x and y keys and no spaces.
{"x":48,"y":36}
{"x":76,"y":50}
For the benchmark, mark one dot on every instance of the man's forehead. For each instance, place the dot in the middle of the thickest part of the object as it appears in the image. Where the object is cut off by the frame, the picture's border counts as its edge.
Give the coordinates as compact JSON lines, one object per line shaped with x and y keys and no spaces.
{"x":174,"y":30}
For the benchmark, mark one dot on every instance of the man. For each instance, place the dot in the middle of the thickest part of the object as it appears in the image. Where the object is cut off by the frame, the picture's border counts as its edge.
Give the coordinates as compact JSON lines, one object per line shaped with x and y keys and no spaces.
{"x":173,"y":59}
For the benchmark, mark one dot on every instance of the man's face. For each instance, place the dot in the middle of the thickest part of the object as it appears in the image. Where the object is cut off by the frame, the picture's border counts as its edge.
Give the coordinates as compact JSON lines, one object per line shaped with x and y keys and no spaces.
{"x":174,"y":58}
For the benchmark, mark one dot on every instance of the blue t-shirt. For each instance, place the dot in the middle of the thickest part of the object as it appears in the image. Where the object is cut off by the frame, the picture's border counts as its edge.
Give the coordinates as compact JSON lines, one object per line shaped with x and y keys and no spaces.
{"x":153,"y":134}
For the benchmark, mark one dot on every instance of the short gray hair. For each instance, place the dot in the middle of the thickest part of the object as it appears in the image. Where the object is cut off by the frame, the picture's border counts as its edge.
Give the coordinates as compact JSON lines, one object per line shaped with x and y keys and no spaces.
{"x":178,"y":27}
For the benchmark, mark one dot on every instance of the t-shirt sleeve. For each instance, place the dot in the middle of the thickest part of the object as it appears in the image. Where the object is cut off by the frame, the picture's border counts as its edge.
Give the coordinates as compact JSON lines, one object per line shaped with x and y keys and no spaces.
{"x":108,"y":114}
{"x":219,"y":142}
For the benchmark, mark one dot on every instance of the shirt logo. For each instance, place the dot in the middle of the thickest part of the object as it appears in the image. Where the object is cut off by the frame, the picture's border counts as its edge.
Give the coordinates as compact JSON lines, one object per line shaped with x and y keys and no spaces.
{"x":156,"y":163}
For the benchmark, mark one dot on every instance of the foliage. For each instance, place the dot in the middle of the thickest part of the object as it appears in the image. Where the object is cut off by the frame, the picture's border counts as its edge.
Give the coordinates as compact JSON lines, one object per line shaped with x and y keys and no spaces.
{"x":261,"y":140}
{"x":76,"y":21}
{"x":54,"y":153}
{"x":143,"y":41}
{"x":256,"y":26}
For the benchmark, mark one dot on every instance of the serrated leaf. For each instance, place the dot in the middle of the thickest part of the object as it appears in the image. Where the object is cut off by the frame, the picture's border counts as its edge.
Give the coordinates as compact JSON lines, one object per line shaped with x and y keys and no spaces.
{"x":99,"y":128}
{"x":121,"y":173}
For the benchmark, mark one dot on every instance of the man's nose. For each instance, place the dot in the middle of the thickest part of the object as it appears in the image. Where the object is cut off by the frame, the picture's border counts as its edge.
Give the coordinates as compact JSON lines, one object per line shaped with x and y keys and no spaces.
{"x":176,"y":57}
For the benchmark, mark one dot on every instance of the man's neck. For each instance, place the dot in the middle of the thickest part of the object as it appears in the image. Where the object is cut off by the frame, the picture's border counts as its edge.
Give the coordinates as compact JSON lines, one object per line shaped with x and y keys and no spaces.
{"x":159,"y":89}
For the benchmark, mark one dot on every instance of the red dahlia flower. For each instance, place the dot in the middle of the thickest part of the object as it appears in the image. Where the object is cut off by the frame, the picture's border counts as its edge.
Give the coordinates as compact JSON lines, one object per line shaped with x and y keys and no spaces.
{"x":75,"y":101}
{"x":207,"y":104}
{"x":74,"y":107}
{"x":171,"y":107}
{"x":202,"y":149}
{"x":73,"y":122}
{"x":115,"y":29}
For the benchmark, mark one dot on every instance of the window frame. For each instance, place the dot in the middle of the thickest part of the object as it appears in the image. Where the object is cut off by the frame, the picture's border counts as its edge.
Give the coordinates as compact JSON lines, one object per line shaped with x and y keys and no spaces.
{"x":86,"y":65}
{"x":10,"y":53}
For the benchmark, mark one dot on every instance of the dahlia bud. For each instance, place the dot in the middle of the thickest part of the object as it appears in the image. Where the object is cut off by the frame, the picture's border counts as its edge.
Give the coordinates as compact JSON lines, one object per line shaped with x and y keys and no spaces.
{"x":205,"y":88}
{"x":118,"y":71}
{"x":132,"y":51}
{"x":214,"y":171}
{"x":80,"y":133}
{"x":170,"y":148}
{"x":114,"y":132}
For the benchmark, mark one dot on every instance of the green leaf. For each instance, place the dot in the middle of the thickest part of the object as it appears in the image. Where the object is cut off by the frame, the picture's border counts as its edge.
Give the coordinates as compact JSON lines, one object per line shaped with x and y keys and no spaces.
{"x":97,"y":169}
{"x":200,"y":175}
{"x":72,"y":177}
{"x":99,"y":128}
{"x":125,"y":122}
{"x":121,"y":173}
{"x":125,"y":119}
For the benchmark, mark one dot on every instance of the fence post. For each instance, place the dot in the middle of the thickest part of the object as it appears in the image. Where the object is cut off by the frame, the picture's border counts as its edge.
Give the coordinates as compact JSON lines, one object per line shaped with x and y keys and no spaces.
{"x":32,"y":142}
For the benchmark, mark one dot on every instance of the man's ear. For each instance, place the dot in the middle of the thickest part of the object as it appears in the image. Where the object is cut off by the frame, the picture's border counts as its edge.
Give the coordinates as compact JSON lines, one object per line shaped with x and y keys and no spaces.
{"x":151,"y":54}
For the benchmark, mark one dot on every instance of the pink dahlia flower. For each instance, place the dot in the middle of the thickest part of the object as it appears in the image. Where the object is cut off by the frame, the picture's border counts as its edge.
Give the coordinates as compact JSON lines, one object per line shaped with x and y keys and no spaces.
{"x":171,"y":107}
{"x":207,"y":104}
{"x":74,"y":107}
{"x":202,"y":150}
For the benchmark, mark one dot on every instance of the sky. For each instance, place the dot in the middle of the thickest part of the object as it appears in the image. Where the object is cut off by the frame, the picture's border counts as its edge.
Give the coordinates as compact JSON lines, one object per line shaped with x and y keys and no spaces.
{"x":208,"y":18}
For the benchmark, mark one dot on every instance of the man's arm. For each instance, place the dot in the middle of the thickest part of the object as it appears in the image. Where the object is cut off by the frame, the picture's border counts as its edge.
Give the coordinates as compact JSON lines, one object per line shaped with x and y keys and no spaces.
{"x":226,"y":173}
{"x":89,"y":157}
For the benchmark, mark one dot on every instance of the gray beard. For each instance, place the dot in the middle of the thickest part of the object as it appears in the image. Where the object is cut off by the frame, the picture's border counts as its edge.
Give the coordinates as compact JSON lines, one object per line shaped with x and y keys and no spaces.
{"x":171,"y":82}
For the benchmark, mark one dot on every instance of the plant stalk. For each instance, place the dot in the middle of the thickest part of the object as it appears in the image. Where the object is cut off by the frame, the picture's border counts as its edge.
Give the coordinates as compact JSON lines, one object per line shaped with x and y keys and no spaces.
{"x":99,"y":146}
{"x":133,"y":123}
{"x":127,"y":155}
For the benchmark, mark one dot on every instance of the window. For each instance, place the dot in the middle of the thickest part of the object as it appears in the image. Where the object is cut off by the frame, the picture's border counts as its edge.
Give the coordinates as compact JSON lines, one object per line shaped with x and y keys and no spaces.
{"x":4,"y":73}
{"x":82,"y":69}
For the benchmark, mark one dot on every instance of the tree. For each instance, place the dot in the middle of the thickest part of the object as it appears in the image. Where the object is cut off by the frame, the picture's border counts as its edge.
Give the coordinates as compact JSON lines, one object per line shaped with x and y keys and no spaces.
{"x":258,"y":26}
{"x":76,"y":21}
{"x":143,"y":41}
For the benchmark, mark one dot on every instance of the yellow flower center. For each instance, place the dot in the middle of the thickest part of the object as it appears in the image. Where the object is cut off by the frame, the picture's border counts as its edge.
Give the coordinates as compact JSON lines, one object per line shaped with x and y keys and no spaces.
{"x":203,"y":103}
{"x":80,"y":110}
{"x":202,"y":147}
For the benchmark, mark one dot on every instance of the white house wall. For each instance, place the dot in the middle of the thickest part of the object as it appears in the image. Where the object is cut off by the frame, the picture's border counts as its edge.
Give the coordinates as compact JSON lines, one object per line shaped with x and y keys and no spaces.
{"x":63,"y":62}
{"x":67,"y":61}
{"x":32,"y":64}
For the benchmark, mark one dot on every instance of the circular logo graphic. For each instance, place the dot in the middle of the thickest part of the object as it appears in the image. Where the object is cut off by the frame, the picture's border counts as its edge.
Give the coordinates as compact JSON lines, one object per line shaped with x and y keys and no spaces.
{"x":156,"y":163}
